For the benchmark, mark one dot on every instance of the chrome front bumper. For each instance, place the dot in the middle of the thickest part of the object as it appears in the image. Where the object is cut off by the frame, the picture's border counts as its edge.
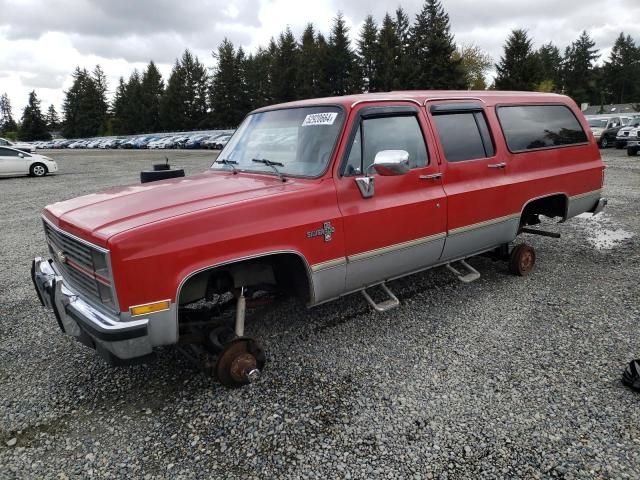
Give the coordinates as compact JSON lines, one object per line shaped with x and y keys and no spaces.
{"x":117,"y":341}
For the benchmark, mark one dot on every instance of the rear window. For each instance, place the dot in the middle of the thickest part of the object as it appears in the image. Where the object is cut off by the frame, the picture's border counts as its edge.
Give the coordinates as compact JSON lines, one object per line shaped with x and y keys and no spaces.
{"x":528,"y":127}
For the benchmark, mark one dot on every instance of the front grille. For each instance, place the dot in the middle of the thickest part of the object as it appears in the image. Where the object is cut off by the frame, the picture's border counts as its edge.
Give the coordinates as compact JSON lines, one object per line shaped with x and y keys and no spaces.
{"x":76,"y":262}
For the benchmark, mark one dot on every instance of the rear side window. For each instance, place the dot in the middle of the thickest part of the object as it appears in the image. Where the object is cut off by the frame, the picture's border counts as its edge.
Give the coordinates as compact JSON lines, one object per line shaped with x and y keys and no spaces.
{"x":464,"y":136}
{"x":6,"y":152}
{"x":528,"y":127}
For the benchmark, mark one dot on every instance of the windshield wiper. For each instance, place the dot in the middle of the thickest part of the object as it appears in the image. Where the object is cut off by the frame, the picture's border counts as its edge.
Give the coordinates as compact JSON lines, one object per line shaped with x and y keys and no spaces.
{"x":231,"y":163}
{"x":271,"y":164}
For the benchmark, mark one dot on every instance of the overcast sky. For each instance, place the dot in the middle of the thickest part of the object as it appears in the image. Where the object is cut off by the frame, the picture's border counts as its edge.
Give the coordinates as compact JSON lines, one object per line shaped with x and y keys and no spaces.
{"x":42,"y":41}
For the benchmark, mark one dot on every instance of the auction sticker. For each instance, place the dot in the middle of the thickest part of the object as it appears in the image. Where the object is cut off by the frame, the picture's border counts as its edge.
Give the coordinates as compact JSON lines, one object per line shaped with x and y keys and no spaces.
{"x":320,"y":119}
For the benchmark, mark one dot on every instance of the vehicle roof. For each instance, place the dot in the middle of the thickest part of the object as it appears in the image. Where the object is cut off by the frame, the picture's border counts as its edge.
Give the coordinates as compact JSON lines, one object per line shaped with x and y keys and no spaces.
{"x":488,"y":97}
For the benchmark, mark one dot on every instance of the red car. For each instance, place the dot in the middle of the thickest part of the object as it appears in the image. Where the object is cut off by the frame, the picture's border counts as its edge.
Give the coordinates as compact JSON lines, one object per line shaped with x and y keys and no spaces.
{"x":318,"y":198}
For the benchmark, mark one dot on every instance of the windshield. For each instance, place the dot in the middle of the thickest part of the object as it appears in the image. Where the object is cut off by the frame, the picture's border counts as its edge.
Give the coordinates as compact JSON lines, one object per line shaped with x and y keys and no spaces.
{"x":300,"y":140}
{"x":598,"y":122}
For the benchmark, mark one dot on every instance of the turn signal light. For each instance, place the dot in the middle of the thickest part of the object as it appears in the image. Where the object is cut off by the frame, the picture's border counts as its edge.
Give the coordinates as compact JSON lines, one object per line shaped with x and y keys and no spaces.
{"x":150,"y":308}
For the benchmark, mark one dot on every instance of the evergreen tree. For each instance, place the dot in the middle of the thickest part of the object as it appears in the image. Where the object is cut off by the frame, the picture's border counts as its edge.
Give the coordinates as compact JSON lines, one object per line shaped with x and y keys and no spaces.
{"x":579,"y":74}
{"x":83,"y":111}
{"x":172,"y":111}
{"x":33,"y":125}
{"x":7,"y":123}
{"x":52,"y":119}
{"x":324,"y":67}
{"x":342,"y":63}
{"x":132,"y":120}
{"x":118,"y":107}
{"x":436,"y":66}
{"x":369,"y":54}
{"x":404,"y":62}
{"x":285,"y":68}
{"x":257,"y":79}
{"x":622,"y":71}
{"x":518,"y":68}
{"x":389,"y":70}
{"x":308,"y":64}
{"x":97,"y":97}
{"x":152,"y":91}
{"x":184,"y":104}
{"x":475,"y":64}
{"x":550,"y":62}
{"x":227,"y":96}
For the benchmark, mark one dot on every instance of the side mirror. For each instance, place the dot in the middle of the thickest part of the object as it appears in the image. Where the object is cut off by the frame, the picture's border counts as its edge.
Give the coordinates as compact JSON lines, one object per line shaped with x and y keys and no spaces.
{"x":21,"y":155}
{"x":386,"y":163}
{"x":391,"y":162}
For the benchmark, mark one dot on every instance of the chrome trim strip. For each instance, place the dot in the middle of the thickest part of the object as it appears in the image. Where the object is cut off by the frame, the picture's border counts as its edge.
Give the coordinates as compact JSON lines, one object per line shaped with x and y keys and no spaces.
{"x":336,"y":262}
{"x":586,"y":194}
{"x":486,"y":223}
{"x":356,"y":257}
{"x":382,"y":99}
{"x":440,"y":99}
{"x":78,"y":239}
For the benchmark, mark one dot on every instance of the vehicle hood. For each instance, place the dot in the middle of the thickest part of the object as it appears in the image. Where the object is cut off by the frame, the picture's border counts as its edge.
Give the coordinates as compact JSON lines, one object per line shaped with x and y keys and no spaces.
{"x":97,"y":217}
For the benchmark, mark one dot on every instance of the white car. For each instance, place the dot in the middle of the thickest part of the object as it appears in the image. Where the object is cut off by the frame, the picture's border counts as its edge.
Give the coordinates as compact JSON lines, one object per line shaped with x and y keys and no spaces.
{"x":25,"y":147}
{"x":16,"y":162}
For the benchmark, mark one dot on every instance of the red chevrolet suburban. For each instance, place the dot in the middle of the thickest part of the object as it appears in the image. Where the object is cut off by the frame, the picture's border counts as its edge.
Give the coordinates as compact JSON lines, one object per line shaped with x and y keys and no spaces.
{"x":317,"y":198}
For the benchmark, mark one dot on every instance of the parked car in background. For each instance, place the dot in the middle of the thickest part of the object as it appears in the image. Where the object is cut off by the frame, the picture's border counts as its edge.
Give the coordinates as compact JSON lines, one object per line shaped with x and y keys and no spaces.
{"x":221,"y":142}
{"x":195,"y":141}
{"x":16,"y":162}
{"x":633,"y":141}
{"x":78,"y":144}
{"x":605,"y":129}
{"x":25,"y":147}
{"x":623,"y":135}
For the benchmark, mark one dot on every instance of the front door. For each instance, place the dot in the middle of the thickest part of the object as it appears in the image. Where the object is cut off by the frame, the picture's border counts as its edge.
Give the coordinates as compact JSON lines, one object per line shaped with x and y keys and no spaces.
{"x":11,"y":163}
{"x":401,"y":227}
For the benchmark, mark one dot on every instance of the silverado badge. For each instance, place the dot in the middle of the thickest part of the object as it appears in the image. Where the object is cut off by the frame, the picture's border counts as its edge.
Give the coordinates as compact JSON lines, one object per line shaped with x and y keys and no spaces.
{"x":326,"y":231}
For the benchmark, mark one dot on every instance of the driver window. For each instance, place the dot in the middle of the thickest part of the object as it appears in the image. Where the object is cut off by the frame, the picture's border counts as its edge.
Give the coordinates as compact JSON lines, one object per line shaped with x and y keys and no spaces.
{"x":386,"y":133}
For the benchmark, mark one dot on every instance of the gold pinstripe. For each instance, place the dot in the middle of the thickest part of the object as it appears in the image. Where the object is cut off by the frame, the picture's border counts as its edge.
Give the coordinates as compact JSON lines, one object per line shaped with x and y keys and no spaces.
{"x":486,"y":223}
{"x":418,"y":241}
{"x":398,"y":246}
{"x":336,"y":262}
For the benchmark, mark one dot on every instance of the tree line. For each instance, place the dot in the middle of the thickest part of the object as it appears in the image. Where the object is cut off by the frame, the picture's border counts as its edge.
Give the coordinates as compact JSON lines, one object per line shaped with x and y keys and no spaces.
{"x":573,"y":72}
{"x":396,"y":54}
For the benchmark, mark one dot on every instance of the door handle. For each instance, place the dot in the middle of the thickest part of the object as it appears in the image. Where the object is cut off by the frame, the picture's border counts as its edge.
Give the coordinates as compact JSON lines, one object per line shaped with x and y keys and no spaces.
{"x":497,"y":165}
{"x":433,"y":176}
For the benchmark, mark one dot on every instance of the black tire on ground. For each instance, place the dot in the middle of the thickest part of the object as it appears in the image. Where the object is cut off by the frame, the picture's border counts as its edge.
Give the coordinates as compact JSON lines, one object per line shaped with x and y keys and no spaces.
{"x":522,"y":260}
{"x":38,"y":170}
{"x":604,"y":143}
{"x":632,"y":152}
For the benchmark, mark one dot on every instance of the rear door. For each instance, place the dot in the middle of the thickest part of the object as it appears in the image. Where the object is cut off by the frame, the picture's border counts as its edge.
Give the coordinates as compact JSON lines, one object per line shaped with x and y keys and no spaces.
{"x":400,"y":228}
{"x":11,"y":163}
{"x":475,"y":177}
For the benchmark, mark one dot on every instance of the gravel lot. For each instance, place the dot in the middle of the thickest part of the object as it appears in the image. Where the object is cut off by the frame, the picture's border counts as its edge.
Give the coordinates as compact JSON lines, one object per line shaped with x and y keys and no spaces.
{"x":504,"y":377}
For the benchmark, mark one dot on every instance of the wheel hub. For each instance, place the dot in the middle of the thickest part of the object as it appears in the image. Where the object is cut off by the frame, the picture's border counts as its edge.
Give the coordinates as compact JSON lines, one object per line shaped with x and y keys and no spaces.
{"x":240,"y":362}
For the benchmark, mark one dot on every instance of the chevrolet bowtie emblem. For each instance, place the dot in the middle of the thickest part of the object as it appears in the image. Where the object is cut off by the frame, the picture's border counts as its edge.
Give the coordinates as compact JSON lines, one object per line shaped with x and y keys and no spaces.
{"x":326,"y":231}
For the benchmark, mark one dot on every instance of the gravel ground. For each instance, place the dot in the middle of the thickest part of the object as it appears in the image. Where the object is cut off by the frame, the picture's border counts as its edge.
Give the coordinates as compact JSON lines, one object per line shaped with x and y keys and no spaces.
{"x":504,"y":377}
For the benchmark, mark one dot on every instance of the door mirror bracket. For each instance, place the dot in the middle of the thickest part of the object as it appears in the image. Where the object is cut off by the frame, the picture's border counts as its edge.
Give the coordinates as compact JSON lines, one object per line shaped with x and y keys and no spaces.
{"x":386,"y":163}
